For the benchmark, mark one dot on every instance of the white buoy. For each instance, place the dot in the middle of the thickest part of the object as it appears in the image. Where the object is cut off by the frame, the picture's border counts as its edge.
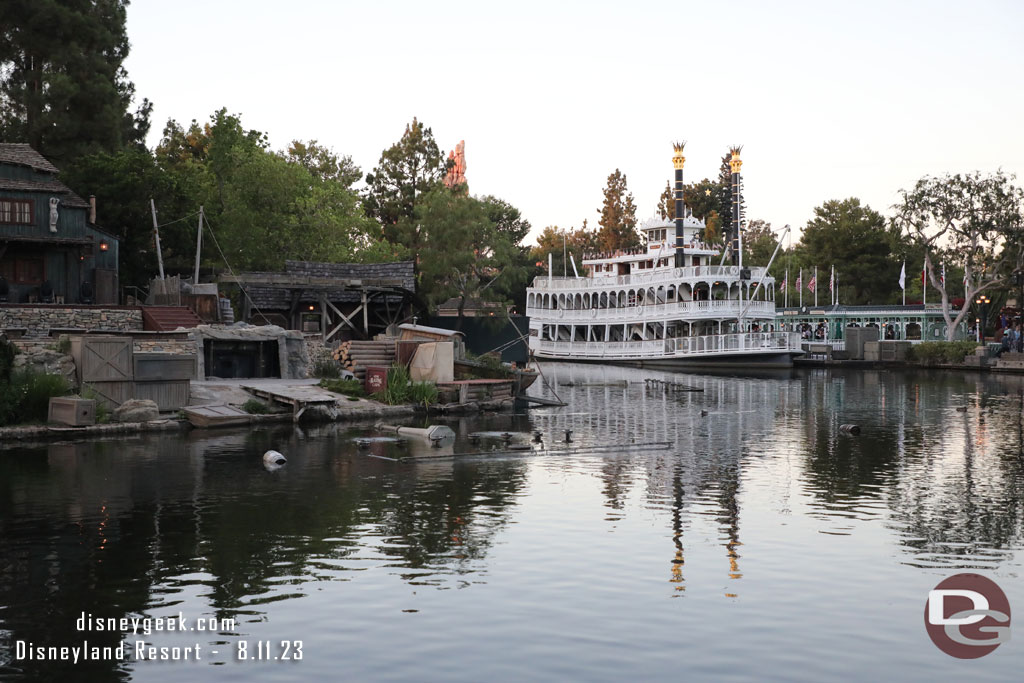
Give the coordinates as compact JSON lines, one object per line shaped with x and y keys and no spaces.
{"x":273,"y":458}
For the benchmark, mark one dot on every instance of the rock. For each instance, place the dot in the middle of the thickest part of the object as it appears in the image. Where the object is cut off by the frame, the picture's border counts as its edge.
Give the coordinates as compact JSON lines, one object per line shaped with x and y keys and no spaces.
{"x":136,"y":410}
{"x":48,"y":361}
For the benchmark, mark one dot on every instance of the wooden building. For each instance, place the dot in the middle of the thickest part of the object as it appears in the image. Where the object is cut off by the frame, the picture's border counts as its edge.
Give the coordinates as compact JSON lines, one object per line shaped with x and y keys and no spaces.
{"x":51,"y":250}
{"x":340,"y":301}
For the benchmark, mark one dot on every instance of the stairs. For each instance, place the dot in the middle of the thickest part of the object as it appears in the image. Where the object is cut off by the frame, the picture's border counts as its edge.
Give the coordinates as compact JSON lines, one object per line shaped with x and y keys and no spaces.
{"x":168,"y":318}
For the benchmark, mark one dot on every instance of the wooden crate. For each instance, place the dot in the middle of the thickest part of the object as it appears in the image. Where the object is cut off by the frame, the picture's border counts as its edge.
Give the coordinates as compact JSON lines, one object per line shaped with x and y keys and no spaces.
{"x":152,"y":366}
{"x":72,"y":411}
{"x":169,"y":395}
{"x":103,"y":359}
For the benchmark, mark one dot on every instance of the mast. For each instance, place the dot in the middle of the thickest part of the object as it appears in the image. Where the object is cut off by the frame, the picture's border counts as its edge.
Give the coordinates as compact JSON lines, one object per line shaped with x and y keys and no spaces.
{"x":677,"y":163}
{"x":737,"y":240}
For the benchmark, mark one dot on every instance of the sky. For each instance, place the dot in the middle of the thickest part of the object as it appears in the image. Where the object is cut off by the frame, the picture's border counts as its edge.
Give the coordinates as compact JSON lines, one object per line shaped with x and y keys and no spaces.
{"x":829,"y":99}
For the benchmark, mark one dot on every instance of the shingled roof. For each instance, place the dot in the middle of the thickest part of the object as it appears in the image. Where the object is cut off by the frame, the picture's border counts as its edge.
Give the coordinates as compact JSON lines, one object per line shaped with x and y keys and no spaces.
{"x":22,"y":154}
{"x":273,"y":298}
{"x":49,"y":186}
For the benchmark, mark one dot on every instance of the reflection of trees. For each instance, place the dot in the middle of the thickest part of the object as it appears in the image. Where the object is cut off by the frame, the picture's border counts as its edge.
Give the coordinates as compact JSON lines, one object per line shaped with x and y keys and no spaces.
{"x":118,"y":528}
{"x":954,"y":481}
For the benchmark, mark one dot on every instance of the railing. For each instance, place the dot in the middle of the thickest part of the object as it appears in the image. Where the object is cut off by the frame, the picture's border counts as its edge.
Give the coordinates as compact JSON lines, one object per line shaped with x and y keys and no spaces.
{"x":657,"y":276}
{"x":675,"y":347}
{"x":694,"y":309}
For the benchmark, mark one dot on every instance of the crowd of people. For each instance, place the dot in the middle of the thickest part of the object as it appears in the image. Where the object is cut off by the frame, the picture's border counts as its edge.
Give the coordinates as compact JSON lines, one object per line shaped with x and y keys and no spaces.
{"x":1009,"y":335}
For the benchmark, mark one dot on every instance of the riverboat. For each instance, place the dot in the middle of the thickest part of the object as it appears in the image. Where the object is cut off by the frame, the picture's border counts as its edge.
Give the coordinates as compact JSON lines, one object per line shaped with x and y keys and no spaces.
{"x":674,"y":303}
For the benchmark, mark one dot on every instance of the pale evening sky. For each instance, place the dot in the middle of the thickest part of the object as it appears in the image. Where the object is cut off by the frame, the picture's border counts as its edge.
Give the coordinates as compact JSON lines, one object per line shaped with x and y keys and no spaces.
{"x":829,"y":99}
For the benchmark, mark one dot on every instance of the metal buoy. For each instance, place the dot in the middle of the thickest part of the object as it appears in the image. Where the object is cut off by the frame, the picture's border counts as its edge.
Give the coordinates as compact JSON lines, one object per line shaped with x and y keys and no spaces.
{"x":962,"y":409}
{"x":850,"y":429}
{"x":273,"y":458}
{"x":703,"y":413}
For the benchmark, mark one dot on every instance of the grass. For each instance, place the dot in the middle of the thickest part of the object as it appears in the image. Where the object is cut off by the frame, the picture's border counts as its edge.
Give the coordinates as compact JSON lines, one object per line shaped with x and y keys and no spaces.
{"x":102,"y":409}
{"x":347,"y":387}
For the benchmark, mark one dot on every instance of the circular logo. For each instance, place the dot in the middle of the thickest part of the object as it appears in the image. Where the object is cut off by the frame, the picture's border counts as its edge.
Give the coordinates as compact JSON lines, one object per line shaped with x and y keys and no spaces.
{"x":967,"y":616}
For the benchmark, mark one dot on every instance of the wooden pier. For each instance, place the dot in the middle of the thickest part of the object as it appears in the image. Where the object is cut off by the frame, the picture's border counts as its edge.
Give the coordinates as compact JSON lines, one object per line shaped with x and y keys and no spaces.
{"x":299,"y":397}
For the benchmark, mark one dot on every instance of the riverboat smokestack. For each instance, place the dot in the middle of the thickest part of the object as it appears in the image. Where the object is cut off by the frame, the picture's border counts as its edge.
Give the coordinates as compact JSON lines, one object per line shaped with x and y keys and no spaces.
{"x":680,"y":212}
{"x":735,"y":164}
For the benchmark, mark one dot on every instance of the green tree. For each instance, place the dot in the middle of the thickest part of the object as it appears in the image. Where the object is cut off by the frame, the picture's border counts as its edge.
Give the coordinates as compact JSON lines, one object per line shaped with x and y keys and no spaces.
{"x":323,"y":163}
{"x":703,"y":198}
{"x":408,"y":170}
{"x":759,"y":243}
{"x":979,"y":219}
{"x":618,"y":216}
{"x":854,"y":239}
{"x":63,"y":88}
{"x":463,"y":252}
{"x":565,"y":247}
{"x":667,"y":203}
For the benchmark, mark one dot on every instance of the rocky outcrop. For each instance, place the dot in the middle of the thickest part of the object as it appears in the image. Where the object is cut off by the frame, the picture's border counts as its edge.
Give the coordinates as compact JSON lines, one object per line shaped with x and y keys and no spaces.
{"x":47,"y":361}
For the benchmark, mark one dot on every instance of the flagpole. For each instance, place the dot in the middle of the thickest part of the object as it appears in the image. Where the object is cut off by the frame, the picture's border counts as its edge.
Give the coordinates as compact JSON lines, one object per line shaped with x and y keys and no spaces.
{"x":785,"y":290}
{"x":924,"y":283}
{"x":800,"y":286}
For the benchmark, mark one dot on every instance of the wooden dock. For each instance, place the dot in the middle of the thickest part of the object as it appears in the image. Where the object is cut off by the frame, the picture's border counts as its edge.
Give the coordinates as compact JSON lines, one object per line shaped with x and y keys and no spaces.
{"x":299,"y":396}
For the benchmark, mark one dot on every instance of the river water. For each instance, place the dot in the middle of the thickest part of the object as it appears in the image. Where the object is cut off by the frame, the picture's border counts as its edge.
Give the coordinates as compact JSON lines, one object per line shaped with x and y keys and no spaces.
{"x":696,"y":528}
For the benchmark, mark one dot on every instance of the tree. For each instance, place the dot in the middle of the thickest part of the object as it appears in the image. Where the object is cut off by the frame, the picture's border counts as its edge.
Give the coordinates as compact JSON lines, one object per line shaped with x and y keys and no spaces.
{"x":323,"y":163}
{"x":406,"y":172}
{"x":979,"y":219}
{"x":722,"y":192}
{"x":667,"y":203}
{"x":703,"y":198}
{"x":565,"y":247}
{"x":854,"y":239}
{"x":759,"y":243}
{"x":618,"y":216}
{"x":464,"y":252}
{"x":63,"y":88}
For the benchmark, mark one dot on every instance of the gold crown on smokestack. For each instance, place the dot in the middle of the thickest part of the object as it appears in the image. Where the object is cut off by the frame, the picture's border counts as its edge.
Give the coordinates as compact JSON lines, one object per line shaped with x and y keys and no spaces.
{"x":735,"y":163}
{"x":678,"y":159}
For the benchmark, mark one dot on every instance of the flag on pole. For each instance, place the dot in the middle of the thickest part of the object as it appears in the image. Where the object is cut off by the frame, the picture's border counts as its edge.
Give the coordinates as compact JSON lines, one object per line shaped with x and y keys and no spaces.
{"x":943,"y":274}
{"x":799,"y":279}
{"x":832,"y":280}
{"x":903,"y":276}
{"x":812,"y":283}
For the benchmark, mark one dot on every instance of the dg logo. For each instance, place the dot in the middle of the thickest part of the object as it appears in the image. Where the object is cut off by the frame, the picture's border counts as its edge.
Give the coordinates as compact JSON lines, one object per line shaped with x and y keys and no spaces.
{"x":967,"y":616}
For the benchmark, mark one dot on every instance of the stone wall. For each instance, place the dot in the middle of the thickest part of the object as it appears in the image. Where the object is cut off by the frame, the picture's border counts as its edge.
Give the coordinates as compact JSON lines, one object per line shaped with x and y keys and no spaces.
{"x":181,"y":346}
{"x":37,"y":321}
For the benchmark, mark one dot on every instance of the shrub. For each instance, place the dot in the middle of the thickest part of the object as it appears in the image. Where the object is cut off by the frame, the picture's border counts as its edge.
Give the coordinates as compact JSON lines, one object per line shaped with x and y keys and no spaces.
{"x":326,"y":368}
{"x":932,"y":353}
{"x":348,"y":387}
{"x":255,"y":407}
{"x":7,"y":353}
{"x":26,"y":397}
{"x":397,"y":388}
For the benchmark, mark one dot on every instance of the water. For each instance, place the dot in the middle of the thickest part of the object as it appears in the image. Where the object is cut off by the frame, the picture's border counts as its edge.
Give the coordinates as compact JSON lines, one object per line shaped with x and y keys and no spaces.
{"x":760,"y":544}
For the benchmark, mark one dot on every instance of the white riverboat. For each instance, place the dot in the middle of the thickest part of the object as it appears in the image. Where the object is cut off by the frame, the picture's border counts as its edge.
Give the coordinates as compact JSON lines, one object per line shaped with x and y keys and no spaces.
{"x":674,"y":303}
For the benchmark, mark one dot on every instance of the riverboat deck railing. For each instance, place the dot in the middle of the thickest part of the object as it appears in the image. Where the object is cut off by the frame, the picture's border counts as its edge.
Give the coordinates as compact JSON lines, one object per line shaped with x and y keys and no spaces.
{"x":676,"y":347}
{"x":729,"y":308}
{"x":656,"y":276}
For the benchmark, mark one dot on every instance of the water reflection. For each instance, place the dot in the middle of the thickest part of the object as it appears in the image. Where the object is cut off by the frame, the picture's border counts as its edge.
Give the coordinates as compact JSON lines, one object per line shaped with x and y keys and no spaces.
{"x":158,"y":523}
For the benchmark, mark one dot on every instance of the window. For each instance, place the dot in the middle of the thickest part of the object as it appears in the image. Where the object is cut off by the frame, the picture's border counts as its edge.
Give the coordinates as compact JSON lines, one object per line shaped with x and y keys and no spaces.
{"x":16,"y":211}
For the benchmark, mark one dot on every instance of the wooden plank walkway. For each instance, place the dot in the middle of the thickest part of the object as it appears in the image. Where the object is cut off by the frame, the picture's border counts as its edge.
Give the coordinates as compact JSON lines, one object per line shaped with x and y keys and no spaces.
{"x":298,"y":396}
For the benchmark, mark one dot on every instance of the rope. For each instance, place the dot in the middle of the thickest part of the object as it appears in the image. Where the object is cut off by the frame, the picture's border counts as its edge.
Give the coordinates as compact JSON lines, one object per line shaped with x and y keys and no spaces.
{"x":230,"y":269}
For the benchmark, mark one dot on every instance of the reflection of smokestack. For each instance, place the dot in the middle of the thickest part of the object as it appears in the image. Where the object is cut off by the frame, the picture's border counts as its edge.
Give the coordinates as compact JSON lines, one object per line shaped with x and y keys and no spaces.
{"x":734,"y":233}
{"x":92,"y":209}
{"x":677,"y":162}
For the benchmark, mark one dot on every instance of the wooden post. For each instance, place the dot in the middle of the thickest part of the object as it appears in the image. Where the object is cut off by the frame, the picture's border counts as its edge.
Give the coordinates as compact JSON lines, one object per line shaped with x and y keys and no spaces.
{"x":156,"y":235}
{"x":366,"y":319}
{"x":199,"y":248}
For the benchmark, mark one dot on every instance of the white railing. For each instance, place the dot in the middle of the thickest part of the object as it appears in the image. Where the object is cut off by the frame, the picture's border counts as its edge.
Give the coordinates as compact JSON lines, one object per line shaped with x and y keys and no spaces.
{"x":658,"y":276}
{"x":686,"y":309}
{"x":676,"y":347}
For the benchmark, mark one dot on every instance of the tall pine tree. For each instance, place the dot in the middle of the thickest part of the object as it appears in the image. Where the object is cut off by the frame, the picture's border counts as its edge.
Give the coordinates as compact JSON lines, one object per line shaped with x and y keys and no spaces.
{"x":63,"y":88}
{"x":618,"y":216}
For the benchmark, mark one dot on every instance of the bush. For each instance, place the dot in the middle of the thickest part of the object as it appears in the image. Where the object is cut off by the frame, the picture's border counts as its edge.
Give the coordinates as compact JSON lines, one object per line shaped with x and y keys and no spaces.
{"x":326,"y":368}
{"x":397,"y":389}
{"x":348,"y":387}
{"x":7,"y":353}
{"x":255,"y":407}
{"x":932,"y":353}
{"x":26,"y":397}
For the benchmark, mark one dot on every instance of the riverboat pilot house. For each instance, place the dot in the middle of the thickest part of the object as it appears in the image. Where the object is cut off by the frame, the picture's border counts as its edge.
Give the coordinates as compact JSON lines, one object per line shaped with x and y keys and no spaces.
{"x":51,"y":250}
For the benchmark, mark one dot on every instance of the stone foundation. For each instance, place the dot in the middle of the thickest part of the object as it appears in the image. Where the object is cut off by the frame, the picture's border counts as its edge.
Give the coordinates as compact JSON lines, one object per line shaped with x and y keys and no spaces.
{"x":38,"y":320}
{"x":293,"y":356}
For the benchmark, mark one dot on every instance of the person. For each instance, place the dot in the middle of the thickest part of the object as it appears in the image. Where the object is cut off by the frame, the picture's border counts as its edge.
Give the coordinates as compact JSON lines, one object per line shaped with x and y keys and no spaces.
{"x":1009,"y":342}
{"x":1018,"y":333}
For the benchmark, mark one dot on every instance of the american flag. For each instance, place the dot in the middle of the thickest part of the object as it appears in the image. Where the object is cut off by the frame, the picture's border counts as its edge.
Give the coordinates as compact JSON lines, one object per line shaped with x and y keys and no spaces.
{"x":812,"y":283}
